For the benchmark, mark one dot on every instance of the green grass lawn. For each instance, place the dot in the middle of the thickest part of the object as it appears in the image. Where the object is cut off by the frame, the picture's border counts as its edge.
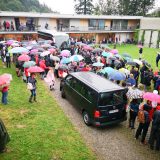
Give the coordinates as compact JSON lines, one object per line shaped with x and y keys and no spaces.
{"x":149,"y":54}
{"x":39,"y":131}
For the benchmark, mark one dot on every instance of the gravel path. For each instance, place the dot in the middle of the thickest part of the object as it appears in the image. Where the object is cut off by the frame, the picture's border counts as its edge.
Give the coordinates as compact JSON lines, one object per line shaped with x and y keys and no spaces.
{"x":112,"y":143}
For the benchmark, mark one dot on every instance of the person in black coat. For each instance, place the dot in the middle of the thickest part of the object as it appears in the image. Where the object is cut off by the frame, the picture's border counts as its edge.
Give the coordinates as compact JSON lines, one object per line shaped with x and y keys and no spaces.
{"x":157,"y":59}
{"x":155,"y":130}
{"x":4,"y":137}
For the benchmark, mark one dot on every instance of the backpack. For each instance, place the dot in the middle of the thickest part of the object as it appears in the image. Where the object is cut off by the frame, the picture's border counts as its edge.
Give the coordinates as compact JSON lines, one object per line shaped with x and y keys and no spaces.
{"x":141,"y":116}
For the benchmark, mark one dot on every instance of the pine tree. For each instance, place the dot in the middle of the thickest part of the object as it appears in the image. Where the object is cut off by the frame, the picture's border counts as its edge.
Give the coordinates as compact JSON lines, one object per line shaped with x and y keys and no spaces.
{"x":84,"y":6}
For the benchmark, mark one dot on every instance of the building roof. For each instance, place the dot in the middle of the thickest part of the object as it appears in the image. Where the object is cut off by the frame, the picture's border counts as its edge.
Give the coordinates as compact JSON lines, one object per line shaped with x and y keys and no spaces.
{"x":69,"y":16}
{"x":96,"y":82}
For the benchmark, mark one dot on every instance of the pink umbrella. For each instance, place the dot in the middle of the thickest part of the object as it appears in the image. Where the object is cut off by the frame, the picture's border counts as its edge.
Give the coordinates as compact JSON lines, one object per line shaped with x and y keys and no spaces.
{"x":140,"y":46}
{"x":5,"y":79}
{"x":35,"y":69}
{"x":24,"y":58}
{"x":151,"y":97}
{"x":65,"y":53}
{"x":9,"y":42}
{"x":34,"y":51}
{"x":88,"y":48}
{"x":52,"y":50}
{"x":114,"y":51}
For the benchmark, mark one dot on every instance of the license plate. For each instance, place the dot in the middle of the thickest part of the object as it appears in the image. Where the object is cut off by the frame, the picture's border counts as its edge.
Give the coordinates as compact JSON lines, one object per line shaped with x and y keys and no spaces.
{"x":113,"y":111}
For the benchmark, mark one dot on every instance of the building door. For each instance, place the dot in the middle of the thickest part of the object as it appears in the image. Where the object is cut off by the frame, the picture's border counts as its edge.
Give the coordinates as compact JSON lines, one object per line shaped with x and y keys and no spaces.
{"x":17,"y":23}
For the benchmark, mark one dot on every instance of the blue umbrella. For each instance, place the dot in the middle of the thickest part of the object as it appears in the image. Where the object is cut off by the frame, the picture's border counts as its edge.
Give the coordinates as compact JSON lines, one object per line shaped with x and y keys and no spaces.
{"x":98,"y":64}
{"x":106,"y":54}
{"x":19,"y":50}
{"x":65,"y":61}
{"x":117,"y":76}
{"x":126,"y":55}
{"x":109,"y":70}
{"x":76,"y":58}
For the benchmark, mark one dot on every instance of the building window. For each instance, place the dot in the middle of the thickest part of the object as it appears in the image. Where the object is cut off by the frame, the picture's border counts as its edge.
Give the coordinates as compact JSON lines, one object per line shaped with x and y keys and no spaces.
{"x":98,"y":24}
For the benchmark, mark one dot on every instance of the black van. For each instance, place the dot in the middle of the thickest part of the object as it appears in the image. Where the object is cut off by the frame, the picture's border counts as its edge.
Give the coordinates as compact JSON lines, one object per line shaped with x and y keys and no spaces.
{"x":101,"y":101}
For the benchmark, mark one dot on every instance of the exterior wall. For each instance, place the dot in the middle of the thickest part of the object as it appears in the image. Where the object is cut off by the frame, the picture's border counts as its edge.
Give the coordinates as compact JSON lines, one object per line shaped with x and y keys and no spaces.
{"x":84,"y":22}
{"x":150,"y":23}
{"x":147,"y":38}
{"x":154,"y":38}
{"x":22,"y":20}
{"x":132,"y":23}
{"x":122,"y":37}
{"x":108,"y":24}
{"x":52,"y":24}
{"x":74,"y":22}
{"x":42,"y":22}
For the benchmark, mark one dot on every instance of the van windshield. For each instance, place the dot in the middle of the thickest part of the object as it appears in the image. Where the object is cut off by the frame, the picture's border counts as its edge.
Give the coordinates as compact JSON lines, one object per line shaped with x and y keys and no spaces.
{"x":111,"y":98}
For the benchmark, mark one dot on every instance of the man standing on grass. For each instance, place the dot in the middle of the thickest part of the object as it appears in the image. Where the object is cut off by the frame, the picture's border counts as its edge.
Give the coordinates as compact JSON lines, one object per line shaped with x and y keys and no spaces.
{"x":140,"y":53}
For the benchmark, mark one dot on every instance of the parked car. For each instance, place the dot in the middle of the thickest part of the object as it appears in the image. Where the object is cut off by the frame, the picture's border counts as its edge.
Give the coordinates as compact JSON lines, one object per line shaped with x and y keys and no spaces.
{"x":100,"y":101}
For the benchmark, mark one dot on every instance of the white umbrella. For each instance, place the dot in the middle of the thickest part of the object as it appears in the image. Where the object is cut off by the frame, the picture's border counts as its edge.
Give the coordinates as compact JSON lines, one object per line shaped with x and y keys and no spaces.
{"x":54,"y":58}
{"x":134,"y":93}
{"x":137,"y":61}
{"x":45,"y":53}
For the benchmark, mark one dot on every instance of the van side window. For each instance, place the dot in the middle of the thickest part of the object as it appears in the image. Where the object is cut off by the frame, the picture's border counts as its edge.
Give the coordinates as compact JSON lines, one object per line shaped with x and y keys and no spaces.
{"x":69,"y":79}
{"x":91,"y":95}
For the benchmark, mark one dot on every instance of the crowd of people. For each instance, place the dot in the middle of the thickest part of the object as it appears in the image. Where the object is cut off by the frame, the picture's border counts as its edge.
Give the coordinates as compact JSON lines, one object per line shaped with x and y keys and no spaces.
{"x":55,"y":64}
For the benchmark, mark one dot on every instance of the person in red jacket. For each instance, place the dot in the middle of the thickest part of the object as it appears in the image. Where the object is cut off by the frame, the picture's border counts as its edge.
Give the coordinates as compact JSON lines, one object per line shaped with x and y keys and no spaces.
{"x":5,"y":95}
{"x":44,"y":67}
{"x":86,"y":68}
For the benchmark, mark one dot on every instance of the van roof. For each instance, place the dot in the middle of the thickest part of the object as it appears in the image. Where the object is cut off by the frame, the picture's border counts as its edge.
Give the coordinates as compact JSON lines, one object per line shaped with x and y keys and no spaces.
{"x":97,"y":82}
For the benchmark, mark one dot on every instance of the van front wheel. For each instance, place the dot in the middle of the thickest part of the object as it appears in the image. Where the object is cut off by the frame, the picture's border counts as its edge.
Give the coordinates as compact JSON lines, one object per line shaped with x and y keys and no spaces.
{"x":86,"y":118}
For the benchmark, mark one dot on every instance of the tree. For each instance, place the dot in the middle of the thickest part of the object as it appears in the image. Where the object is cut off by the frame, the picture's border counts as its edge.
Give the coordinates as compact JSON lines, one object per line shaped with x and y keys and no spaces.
{"x":84,"y":6}
{"x":135,"y":7}
{"x":106,"y":7}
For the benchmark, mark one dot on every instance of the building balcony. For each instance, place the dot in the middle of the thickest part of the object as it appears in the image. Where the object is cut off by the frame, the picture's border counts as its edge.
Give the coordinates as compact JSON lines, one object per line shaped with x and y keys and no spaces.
{"x":97,"y":29}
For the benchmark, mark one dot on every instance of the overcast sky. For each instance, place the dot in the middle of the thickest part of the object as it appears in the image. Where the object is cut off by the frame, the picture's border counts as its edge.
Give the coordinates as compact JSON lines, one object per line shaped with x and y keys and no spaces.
{"x":67,"y":6}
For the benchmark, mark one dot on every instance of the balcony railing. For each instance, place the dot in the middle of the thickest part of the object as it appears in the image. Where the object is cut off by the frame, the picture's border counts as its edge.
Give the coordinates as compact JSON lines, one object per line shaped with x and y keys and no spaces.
{"x":87,"y":29}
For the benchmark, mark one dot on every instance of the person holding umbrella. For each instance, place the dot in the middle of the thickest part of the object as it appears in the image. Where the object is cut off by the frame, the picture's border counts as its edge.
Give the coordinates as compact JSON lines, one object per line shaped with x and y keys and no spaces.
{"x":32,"y":80}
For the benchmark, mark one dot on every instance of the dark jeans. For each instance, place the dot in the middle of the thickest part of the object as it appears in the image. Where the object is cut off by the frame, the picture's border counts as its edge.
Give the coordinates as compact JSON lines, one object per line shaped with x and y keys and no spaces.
{"x":142,"y":128}
{"x":132,"y":118}
{"x":155,"y":137}
{"x":4,"y":97}
{"x":33,"y":92}
{"x":8,"y":64}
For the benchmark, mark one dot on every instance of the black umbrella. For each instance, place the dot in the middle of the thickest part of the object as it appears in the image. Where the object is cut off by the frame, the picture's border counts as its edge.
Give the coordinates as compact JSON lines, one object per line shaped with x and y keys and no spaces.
{"x":132,"y":63}
{"x":97,"y":50}
{"x":146,"y":64}
{"x":126,"y":55}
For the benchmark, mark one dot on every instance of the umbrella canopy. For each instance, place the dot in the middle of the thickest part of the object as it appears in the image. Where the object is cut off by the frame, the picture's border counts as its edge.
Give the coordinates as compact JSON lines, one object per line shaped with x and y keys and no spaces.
{"x":87,"y":48}
{"x":35,"y":69}
{"x":24,"y":58}
{"x":19,"y":50}
{"x":97,"y":50}
{"x":54,"y":58}
{"x":45,"y":45}
{"x":117,"y":76}
{"x":106,"y":54}
{"x":128,"y":59}
{"x":5,"y":79}
{"x":126,"y":55}
{"x":134,"y":94}
{"x":65,"y":53}
{"x":98,"y":64}
{"x":118,"y":56}
{"x":140,"y":46}
{"x":63,"y":67}
{"x":52,"y":50}
{"x":29,"y":64}
{"x":125,"y":71}
{"x":33,"y":51}
{"x":45,"y":53}
{"x":15,"y":45}
{"x":109,"y":70}
{"x":151,"y":96}
{"x":132,"y":63}
{"x":76,"y":58}
{"x":114,"y":51}
{"x":146,"y":64}
{"x":65,"y":61}
{"x":137,"y":61}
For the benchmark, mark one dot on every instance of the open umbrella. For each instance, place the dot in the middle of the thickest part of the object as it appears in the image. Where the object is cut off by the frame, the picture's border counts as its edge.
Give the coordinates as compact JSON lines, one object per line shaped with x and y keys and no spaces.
{"x":65,"y":53}
{"x":151,"y":96}
{"x":127,"y":59}
{"x":45,"y":53}
{"x":24,"y":58}
{"x":29,"y":64}
{"x":134,"y":93}
{"x":114,"y":51}
{"x":33,"y":51}
{"x":63,"y":67}
{"x":106,"y":54}
{"x":65,"y":60}
{"x":45,"y":45}
{"x":126,"y":55}
{"x":109,"y":70}
{"x":35,"y":69}
{"x":132,"y":63}
{"x":146,"y":64}
{"x":87,"y":48}
{"x":97,"y":50}
{"x":5,"y":79}
{"x":98,"y":64}
{"x":76,"y":58}
{"x":117,"y":76}
{"x":125,"y":71}
{"x":137,"y":61}
{"x":52,"y":50}
{"x":19,"y":50}
{"x":54,"y":58}
{"x":15,"y":45}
